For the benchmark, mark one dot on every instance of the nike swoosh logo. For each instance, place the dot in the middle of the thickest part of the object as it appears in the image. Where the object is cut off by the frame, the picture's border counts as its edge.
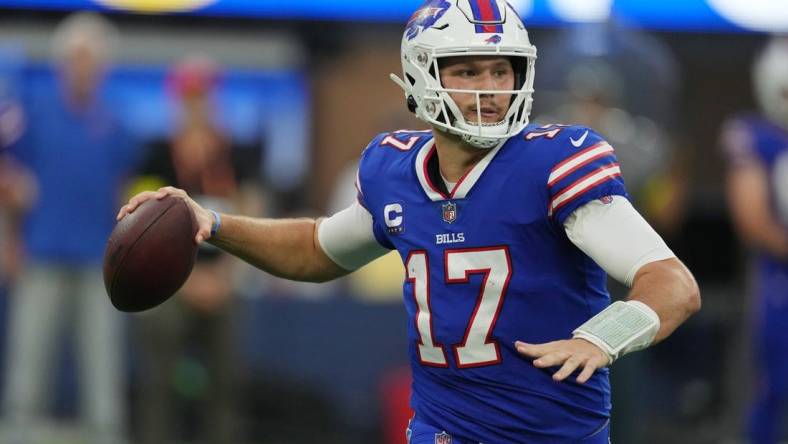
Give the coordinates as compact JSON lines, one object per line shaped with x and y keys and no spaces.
{"x":579,"y":142}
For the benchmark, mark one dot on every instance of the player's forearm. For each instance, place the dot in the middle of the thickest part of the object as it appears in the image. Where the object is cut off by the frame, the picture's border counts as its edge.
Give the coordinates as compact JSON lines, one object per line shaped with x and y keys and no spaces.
{"x":765,"y":235}
{"x":670,"y":290}
{"x":286,"y":248}
{"x":752,"y":212}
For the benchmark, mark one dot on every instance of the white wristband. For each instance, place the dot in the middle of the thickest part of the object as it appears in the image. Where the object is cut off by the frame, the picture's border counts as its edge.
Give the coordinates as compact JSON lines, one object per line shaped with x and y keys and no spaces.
{"x":621,"y":328}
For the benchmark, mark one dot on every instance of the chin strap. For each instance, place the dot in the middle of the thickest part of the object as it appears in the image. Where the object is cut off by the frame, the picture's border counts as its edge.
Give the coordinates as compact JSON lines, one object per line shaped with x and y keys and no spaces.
{"x":621,"y":328}
{"x":401,"y":83}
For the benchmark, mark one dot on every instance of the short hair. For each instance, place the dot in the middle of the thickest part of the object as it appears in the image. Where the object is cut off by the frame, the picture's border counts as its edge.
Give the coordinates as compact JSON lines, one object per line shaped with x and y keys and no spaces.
{"x":85,"y":29}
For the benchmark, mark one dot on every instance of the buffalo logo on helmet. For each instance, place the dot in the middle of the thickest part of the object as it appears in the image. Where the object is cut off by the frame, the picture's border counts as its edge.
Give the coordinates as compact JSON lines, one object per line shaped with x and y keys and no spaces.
{"x":442,"y":438}
{"x":449,"y":212}
{"x":494,"y":40}
{"x":426,"y":17}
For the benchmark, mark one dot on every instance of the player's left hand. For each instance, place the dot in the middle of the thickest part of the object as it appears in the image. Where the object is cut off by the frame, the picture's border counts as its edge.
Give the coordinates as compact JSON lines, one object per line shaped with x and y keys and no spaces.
{"x":570,"y":354}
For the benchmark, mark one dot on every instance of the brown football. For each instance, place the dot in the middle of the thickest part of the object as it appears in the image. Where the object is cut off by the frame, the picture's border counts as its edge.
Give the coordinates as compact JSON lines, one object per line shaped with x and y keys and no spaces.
{"x":150,"y":254}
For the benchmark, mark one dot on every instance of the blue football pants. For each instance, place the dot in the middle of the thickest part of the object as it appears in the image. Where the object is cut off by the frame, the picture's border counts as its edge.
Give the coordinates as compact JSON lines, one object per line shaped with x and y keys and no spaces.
{"x":419,"y":432}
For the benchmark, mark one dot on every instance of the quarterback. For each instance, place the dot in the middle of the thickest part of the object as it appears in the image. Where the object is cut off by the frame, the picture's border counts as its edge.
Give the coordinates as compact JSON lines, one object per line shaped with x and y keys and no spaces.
{"x":506,"y":231}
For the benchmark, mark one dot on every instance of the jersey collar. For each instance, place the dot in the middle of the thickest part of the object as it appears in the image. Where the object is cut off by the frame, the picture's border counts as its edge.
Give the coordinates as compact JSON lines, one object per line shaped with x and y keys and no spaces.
{"x":463,"y":186}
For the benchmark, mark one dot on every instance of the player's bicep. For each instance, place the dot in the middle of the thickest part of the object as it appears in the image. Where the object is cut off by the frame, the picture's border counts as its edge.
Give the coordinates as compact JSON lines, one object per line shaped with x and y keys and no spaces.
{"x":348,"y":238}
{"x":616,"y":237}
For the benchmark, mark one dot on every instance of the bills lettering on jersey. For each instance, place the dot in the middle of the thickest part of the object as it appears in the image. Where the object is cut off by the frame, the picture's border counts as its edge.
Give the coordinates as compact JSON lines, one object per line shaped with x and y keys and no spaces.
{"x":449,"y":238}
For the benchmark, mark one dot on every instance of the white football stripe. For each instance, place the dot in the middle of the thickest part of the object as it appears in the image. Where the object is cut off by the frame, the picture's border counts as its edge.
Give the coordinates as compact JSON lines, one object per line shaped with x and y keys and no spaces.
{"x":576,"y":162}
{"x":586,"y":183}
{"x":421,"y":159}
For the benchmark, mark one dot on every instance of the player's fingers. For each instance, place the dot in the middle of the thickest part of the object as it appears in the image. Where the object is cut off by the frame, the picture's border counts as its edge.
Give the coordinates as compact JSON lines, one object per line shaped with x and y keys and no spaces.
{"x":202,"y":235}
{"x":532,"y":350}
{"x":570,"y":365}
{"x":588,"y":370}
{"x":551,"y":359}
{"x":134,"y":202}
{"x":169,"y":191}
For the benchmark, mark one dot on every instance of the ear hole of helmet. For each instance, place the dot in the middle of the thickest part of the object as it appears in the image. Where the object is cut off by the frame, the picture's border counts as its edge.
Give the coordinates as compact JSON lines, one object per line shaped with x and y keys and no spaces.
{"x":412,"y":105}
{"x":410,"y":79}
{"x":434,"y":73}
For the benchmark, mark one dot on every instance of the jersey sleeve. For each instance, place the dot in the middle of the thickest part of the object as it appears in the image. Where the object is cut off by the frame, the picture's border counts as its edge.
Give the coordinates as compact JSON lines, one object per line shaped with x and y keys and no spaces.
{"x":368,"y":172}
{"x":585,"y":169}
{"x":363,"y":170}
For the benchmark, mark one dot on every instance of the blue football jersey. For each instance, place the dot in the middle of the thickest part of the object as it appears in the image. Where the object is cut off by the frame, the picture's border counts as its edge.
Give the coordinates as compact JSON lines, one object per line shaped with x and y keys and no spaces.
{"x":488,"y":263}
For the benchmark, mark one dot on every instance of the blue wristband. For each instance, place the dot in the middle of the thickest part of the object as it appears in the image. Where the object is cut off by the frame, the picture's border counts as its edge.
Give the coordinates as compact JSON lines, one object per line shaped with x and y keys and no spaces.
{"x":217,"y":222}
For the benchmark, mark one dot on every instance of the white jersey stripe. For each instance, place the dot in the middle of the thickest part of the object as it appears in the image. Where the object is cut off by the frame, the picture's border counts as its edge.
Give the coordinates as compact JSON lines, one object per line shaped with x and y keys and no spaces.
{"x":421,"y":173}
{"x":358,"y":181}
{"x":577,"y":161}
{"x":584,"y":184}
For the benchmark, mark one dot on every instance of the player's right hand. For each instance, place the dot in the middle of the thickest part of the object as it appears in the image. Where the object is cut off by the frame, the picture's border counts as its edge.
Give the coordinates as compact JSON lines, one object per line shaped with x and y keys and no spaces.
{"x":203,"y":217}
{"x":569,"y":355}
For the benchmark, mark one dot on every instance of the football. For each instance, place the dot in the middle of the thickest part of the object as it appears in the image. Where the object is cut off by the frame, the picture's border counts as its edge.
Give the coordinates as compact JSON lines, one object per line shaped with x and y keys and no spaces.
{"x":150,"y":254}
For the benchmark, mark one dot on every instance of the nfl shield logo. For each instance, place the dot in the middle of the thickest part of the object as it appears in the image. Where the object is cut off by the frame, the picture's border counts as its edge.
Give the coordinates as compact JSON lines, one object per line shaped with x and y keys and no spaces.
{"x":449,"y":214}
{"x":442,"y":438}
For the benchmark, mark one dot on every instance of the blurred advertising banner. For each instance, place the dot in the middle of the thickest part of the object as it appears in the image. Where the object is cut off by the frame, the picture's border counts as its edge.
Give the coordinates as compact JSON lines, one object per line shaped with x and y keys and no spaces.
{"x":686,"y":15}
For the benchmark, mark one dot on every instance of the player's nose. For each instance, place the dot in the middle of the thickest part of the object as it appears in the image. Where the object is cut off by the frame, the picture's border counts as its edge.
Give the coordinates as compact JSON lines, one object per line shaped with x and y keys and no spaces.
{"x":487,"y":82}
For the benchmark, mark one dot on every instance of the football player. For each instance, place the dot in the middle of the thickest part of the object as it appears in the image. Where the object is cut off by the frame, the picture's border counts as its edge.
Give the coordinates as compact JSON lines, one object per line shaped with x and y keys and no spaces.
{"x":757,"y":150}
{"x":505,"y":230}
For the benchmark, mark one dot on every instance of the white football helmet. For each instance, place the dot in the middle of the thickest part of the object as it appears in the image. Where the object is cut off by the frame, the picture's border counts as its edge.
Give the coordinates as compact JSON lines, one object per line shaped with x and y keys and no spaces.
{"x":452,"y":28}
{"x":770,"y":80}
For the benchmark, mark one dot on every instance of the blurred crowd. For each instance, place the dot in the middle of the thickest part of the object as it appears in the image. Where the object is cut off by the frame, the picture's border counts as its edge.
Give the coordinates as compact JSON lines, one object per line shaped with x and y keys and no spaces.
{"x":238,"y":357}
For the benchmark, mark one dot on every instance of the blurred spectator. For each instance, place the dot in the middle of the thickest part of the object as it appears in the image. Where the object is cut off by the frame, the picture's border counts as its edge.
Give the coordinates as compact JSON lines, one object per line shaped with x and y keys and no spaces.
{"x":17,"y":192}
{"x":624,"y":83}
{"x":756,"y":147}
{"x":78,"y":157}
{"x":16,"y":186}
{"x":194,"y":334}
